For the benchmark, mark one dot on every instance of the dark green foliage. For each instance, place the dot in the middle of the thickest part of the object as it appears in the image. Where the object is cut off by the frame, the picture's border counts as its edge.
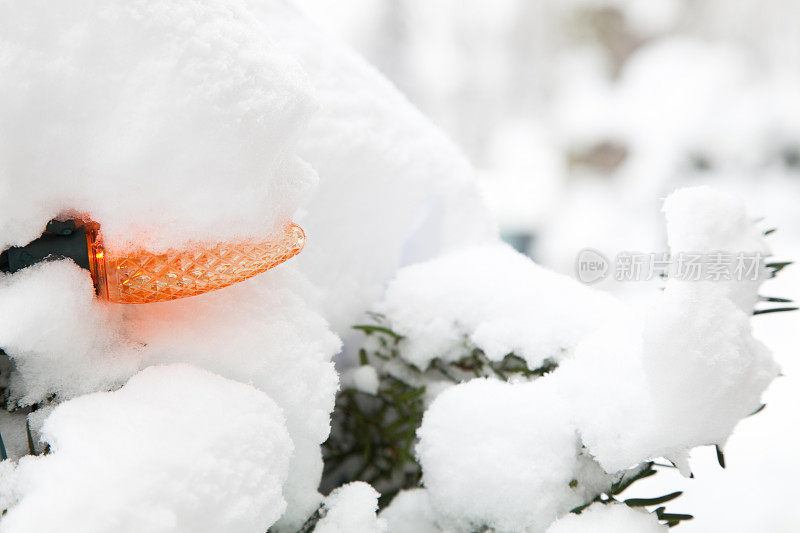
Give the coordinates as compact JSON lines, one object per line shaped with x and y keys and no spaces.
{"x":375,"y":438}
{"x":373,"y":435}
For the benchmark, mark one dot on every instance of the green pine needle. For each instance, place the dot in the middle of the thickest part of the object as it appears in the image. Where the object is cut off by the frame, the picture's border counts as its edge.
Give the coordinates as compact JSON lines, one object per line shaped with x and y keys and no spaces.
{"x":3,"y":454}
{"x":31,"y":447}
{"x":644,"y":502}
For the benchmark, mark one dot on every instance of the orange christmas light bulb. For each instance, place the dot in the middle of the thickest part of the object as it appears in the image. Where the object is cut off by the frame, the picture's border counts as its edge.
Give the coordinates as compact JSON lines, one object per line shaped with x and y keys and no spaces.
{"x":140,"y":276}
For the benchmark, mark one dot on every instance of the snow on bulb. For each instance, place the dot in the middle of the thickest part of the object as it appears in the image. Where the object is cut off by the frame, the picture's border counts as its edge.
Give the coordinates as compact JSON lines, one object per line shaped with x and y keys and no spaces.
{"x":134,"y":276}
{"x":139,"y":276}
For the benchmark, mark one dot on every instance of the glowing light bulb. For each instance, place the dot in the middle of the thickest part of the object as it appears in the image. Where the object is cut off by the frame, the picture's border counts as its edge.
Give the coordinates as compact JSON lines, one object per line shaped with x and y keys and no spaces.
{"x":140,"y":276}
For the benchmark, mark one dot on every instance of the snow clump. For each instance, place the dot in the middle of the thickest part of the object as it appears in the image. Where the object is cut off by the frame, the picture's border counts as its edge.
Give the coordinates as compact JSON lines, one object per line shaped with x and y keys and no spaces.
{"x":362,"y":378}
{"x":687,"y":368}
{"x":64,"y":342}
{"x":351,"y":508}
{"x":176,"y":449}
{"x":501,"y":455}
{"x":495,"y":299}
{"x":61,"y":338}
{"x":614,"y":518}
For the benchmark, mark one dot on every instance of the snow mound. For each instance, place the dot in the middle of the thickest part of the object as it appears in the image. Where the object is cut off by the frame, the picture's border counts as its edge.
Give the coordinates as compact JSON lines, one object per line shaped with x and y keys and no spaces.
{"x":352,"y":508}
{"x":61,"y":338}
{"x":164,"y":121}
{"x":8,"y":478}
{"x":262,"y":332}
{"x":704,"y":220}
{"x":177,"y":449}
{"x":64,"y":342}
{"x":609,"y":519}
{"x":494,"y":298}
{"x":501,"y":455}
{"x":688,"y":368}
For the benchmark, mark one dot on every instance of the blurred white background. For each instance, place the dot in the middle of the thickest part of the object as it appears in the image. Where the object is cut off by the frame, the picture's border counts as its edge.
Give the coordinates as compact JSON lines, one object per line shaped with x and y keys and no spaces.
{"x":580,"y":116}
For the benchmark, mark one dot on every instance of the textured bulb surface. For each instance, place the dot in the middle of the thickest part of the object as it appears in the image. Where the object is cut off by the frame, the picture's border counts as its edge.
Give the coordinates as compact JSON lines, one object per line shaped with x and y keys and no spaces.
{"x":142,"y":277}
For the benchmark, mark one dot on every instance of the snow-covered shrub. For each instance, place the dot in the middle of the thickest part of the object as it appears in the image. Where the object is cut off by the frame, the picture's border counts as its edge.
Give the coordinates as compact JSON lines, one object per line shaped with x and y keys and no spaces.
{"x":493,"y":298}
{"x":175,"y":122}
{"x":512,"y":448}
{"x":432,"y":333}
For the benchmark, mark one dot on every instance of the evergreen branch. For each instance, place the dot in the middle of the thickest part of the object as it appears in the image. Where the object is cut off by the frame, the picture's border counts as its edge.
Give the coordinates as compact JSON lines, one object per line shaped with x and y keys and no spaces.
{"x":372,"y":436}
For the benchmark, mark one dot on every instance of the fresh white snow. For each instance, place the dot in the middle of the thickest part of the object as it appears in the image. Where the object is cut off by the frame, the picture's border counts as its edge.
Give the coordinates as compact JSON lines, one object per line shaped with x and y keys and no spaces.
{"x":178,"y":122}
{"x":350,"y":508}
{"x":176,"y":449}
{"x":609,"y":519}
{"x":493,"y":298}
{"x":503,"y":455}
{"x":649,"y":383}
{"x":410,"y":512}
